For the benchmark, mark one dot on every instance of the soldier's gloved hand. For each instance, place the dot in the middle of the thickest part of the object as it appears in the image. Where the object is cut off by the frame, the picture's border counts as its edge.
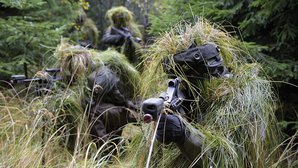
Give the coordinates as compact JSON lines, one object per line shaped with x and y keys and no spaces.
{"x":129,"y":37}
{"x":129,"y":104}
{"x":170,"y":129}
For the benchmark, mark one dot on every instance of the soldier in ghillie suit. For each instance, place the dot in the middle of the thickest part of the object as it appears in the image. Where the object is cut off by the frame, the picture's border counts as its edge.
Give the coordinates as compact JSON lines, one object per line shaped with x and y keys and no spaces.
{"x":114,"y":95}
{"x":123,"y":34}
{"x":110,"y":87}
{"x":223,"y":114}
{"x":84,"y":31}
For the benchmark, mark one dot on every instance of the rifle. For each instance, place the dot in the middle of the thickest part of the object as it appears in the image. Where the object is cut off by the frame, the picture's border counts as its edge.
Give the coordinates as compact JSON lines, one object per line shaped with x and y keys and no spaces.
{"x":153,"y":107}
{"x":42,"y":85}
{"x":172,"y":99}
{"x":127,"y":35}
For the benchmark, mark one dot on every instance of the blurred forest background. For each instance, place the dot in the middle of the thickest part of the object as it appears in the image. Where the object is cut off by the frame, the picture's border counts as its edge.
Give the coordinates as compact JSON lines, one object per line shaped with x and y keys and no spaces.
{"x":31,"y":29}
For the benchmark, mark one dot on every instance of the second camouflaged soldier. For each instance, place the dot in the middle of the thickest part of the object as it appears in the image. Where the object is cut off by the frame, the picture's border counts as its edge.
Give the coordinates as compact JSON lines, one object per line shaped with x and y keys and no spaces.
{"x":123,"y":34}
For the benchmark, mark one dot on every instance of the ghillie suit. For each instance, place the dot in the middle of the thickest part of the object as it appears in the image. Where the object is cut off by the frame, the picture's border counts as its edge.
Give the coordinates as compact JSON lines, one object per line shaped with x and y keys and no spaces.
{"x":230,"y":121}
{"x":123,"y":34}
{"x":114,"y":89}
{"x":110,"y":87}
{"x":84,"y":31}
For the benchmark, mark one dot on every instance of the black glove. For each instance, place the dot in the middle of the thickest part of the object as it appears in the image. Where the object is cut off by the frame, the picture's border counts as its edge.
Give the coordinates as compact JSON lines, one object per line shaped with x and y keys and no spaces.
{"x":129,"y":104}
{"x":170,"y":129}
{"x":128,"y":36}
{"x":126,"y":33}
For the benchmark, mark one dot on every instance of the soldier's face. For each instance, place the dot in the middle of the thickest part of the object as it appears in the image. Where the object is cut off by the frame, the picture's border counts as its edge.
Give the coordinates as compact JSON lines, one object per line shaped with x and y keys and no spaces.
{"x":120,"y":21}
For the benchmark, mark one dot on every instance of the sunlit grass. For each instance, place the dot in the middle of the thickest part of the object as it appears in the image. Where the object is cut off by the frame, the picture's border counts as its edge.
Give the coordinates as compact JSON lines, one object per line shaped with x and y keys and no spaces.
{"x":39,"y":132}
{"x":36,"y":133}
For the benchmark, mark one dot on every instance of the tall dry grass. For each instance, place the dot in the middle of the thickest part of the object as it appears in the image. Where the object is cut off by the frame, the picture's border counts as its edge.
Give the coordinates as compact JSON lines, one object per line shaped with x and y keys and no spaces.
{"x":238,"y":127}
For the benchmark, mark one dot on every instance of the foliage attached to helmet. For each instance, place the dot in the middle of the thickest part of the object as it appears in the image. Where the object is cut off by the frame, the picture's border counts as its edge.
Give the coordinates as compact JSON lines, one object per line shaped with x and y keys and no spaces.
{"x":119,"y":16}
{"x":73,"y":60}
{"x":77,"y":63}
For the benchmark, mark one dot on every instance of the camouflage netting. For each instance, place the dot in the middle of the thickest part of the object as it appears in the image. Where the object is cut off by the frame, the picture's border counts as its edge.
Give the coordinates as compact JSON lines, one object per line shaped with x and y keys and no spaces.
{"x":238,"y":124}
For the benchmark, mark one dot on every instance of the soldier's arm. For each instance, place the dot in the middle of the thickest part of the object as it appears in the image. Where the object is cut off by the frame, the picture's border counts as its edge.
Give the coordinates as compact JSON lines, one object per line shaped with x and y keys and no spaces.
{"x":98,"y":129}
{"x":191,"y":147}
{"x":171,"y":129}
{"x":112,"y":39}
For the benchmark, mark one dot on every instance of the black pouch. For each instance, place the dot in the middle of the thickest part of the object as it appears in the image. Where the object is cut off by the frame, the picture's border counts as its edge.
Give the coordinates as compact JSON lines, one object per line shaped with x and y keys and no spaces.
{"x":199,"y":54}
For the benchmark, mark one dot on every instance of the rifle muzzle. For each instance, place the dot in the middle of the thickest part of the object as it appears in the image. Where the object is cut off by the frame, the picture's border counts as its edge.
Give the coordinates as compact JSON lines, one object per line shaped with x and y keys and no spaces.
{"x":152,"y":108}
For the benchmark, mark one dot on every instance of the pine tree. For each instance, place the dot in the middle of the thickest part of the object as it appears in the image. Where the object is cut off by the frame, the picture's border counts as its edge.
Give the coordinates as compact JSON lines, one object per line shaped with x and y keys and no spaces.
{"x":29,"y":32}
{"x":270,"y":26}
